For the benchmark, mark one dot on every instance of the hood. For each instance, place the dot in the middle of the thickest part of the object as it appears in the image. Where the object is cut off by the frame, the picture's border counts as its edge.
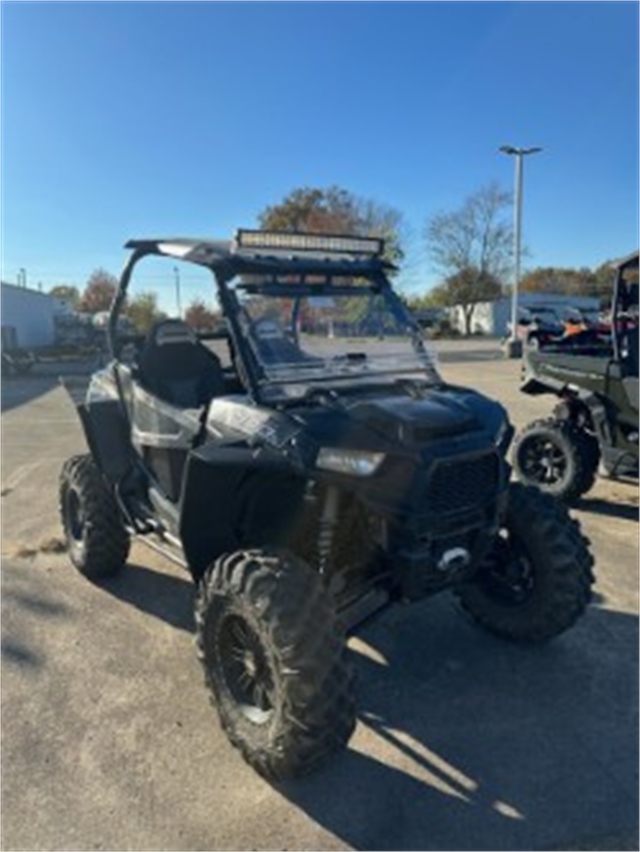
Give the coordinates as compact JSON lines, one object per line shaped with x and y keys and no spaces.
{"x":403,"y":418}
{"x":415,"y":420}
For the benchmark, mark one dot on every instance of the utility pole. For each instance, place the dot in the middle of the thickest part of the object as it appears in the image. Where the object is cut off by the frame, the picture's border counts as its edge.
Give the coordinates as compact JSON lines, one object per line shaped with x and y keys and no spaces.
{"x":513,"y":347}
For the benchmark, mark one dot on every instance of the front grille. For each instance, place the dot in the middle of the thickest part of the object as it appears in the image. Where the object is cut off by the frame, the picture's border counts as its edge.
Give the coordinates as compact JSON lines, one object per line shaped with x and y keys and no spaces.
{"x":464,"y":483}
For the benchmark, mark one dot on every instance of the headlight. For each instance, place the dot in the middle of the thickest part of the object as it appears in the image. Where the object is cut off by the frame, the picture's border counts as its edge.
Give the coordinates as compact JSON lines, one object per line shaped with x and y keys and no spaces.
{"x":354,"y":462}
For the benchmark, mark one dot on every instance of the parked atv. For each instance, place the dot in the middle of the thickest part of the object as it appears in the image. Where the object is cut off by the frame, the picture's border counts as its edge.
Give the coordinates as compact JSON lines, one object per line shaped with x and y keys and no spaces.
{"x":326,"y":472}
{"x":595,"y":425}
{"x":16,"y":361}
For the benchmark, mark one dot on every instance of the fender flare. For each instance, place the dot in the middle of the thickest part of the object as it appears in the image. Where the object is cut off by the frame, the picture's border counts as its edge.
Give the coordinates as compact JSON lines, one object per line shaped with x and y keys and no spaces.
{"x":106,"y":431}
{"x":575,"y":402}
{"x":224,"y":472}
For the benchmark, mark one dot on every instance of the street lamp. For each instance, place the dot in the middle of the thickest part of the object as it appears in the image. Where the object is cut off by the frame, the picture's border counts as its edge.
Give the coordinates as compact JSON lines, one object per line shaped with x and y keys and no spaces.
{"x":176,"y":272}
{"x":514,"y":344}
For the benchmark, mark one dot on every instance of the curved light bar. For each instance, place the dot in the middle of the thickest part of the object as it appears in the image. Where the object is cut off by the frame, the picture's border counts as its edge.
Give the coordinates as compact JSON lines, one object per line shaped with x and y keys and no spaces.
{"x":294,"y":242}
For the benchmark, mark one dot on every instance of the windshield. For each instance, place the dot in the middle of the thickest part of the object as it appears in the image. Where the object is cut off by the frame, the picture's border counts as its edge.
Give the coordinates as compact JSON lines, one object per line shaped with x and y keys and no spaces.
{"x":338,"y":334}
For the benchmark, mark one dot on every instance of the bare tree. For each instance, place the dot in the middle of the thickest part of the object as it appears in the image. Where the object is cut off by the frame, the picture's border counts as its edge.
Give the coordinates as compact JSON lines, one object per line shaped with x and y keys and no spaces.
{"x":472,"y":247}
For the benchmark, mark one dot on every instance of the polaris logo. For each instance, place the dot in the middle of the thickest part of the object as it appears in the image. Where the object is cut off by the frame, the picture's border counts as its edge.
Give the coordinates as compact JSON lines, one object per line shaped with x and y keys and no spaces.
{"x":454,"y":559}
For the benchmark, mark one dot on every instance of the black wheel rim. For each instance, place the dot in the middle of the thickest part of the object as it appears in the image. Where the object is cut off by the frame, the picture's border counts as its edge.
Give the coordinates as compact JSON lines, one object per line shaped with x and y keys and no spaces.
{"x":511,"y":579}
{"x":542,"y":461}
{"x":245,"y":669}
{"x":74,"y":515}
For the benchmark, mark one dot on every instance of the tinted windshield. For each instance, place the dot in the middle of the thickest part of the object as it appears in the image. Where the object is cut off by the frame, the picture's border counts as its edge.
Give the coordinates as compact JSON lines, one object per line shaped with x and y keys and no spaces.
{"x":306,"y":335}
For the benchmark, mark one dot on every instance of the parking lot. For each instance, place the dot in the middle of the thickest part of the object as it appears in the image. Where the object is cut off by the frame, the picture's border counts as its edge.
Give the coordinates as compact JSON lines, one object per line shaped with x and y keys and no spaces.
{"x":463,"y":741}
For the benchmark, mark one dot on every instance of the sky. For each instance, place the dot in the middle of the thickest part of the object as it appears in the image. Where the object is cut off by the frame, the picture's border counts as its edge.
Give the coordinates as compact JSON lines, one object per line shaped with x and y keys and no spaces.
{"x":134,"y":119}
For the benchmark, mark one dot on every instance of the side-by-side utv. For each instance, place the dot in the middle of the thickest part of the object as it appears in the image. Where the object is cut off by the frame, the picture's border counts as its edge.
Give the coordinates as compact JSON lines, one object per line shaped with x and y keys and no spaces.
{"x":309,"y":466}
{"x":594,"y":427}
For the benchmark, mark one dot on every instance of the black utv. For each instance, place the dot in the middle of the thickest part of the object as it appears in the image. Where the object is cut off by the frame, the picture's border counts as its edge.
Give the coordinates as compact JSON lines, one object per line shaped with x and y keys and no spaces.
{"x":322,"y":473}
{"x":594,"y":427}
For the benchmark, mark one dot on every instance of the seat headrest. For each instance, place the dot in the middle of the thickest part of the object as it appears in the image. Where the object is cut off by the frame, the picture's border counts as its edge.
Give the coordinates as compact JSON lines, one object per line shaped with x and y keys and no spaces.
{"x":268,"y":329}
{"x":173,"y":331}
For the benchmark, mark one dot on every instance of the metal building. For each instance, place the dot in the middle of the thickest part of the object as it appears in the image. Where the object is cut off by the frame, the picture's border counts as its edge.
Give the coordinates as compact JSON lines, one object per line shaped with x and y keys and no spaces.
{"x":30,"y":313}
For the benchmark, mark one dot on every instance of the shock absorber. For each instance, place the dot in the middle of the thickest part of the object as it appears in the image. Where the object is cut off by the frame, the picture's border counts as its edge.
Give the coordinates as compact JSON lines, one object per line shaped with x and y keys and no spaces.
{"x":326,"y":527}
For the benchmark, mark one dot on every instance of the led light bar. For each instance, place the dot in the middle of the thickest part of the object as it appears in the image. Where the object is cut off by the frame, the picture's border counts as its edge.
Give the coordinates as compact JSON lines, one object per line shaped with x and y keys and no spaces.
{"x":293,"y":242}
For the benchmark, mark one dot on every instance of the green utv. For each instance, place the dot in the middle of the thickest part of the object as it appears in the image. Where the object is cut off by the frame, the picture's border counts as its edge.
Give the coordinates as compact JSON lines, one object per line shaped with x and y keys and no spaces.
{"x":594,"y":426}
{"x":308,"y":465}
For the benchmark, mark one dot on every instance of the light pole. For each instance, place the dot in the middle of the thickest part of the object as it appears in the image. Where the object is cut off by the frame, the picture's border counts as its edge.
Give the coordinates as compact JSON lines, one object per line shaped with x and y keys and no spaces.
{"x":176,"y":272}
{"x":514,"y":344}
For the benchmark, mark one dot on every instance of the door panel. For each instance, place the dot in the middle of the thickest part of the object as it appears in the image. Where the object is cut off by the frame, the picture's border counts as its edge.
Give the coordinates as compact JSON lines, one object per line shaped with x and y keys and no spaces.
{"x":163,"y":435}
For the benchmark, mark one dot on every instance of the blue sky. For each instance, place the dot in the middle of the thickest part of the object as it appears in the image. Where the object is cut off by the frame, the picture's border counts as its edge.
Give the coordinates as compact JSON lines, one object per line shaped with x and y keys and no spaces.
{"x":150,"y":119}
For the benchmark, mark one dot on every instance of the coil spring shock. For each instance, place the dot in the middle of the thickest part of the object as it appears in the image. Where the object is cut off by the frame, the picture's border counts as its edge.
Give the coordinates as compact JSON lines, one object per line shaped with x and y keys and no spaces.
{"x":326,"y":527}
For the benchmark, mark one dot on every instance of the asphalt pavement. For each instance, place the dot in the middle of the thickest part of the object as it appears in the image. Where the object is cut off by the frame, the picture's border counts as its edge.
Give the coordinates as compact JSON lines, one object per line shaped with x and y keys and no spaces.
{"x":463,"y":742}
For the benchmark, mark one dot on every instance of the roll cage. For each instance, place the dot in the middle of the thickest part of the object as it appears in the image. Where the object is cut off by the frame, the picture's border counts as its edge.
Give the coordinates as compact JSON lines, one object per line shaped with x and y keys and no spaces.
{"x":333,"y":256}
{"x":624,"y":304}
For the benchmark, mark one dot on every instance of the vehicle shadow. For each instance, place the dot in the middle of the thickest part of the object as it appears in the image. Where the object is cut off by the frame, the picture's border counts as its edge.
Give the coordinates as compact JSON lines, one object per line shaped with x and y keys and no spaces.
{"x":43,"y":377}
{"x":19,"y":390}
{"x":22,"y":596}
{"x":465,"y":742}
{"x":607,"y":508}
{"x":155,"y":593}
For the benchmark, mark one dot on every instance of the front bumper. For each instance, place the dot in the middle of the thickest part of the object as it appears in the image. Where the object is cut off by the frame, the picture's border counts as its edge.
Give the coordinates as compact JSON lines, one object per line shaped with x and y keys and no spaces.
{"x":431,"y":553}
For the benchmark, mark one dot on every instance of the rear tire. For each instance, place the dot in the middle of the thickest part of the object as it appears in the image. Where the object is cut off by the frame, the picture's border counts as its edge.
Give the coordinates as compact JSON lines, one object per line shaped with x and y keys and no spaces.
{"x":275,"y":662}
{"x":97,"y":540}
{"x":557,"y":457}
{"x":536,"y":581}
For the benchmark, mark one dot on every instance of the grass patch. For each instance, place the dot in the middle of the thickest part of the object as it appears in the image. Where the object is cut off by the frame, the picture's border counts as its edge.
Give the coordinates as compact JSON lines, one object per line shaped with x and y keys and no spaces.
{"x":53,"y":545}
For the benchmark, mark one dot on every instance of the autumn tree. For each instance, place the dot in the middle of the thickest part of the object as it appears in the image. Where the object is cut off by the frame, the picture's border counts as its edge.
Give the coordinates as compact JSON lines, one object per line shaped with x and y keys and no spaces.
{"x":568,"y":281}
{"x":143,"y":312}
{"x":66,"y":293}
{"x":336,"y":211}
{"x":602,"y":286}
{"x":471,"y":246}
{"x":200,"y":317}
{"x":438,"y":297}
{"x":99,"y":292}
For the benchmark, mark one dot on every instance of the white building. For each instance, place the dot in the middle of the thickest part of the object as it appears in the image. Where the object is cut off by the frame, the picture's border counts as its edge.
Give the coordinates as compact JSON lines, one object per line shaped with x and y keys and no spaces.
{"x":494,"y":318}
{"x":30,"y":313}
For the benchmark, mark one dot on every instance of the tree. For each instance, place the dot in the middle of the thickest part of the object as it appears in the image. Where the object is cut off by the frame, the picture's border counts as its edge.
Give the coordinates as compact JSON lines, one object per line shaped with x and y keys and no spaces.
{"x":336,"y":211}
{"x":142,"y":311}
{"x":99,"y":292}
{"x":603,"y":277}
{"x":470,"y":286}
{"x":472,"y":247}
{"x":199,"y":317}
{"x":568,"y":281}
{"x":437,"y":297}
{"x":66,"y":293}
